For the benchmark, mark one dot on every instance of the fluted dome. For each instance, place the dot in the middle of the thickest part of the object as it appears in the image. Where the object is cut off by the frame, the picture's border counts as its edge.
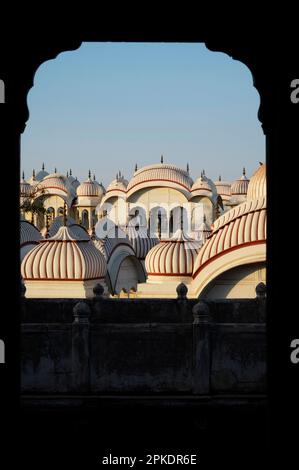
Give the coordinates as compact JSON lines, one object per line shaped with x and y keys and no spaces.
{"x":163,"y":175}
{"x":64,"y":257}
{"x":89,"y":188}
{"x":101,"y":187}
{"x":257,"y":187}
{"x":240,"y":186}
{"x":140,"y":241}
{"x":173,"y":257}
{"x":55,"y":181}
{"x":25,"y":188}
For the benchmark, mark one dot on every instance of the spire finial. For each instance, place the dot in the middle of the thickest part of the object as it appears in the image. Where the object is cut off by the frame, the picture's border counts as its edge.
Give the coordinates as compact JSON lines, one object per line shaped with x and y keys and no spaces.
{"x":244,"y":171}
{"x":94,"y":177}
{"x":93,"y":232}
{"x":64,"y":214}
{"x":55,"y":170}
{"x":70,"y":172}
{"x":187,"y":167}
{"x":136,"y":167}
{"x":219,"y":177}
{"x":23,"y":175}
{"x":119,"y":174}
{"x":33,"y":174}
{"x":43,"y":167}
{"x":116,"y":176}
{"x":67,"y":174}
{"x":203,"y":173}
{"x":89,"y":174}
{"x":162,"y":159}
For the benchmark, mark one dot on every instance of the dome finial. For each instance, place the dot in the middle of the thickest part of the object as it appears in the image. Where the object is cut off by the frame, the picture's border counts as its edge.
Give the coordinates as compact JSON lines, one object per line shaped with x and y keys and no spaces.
{"x":23,"y":175}
{"x":55,"y":170}
{"x":244,"y":171}
{"x":43,"y":167}
{"x":219,"y":177}
{"x":187,"y":167}
{"x":89,"y":174}
{"x":94,"y":177}
{"x":64,"y":214}
{"x":47,"y":226}
{"x":67,"y":174}
{"x":203,"y":173}
{"x":182,"y":218}
{"x":33,"y":174}
{"x":162,"y":159}
{"x":93,"y":232}
{"x":70,"y":172}
{"x":136,"y":167}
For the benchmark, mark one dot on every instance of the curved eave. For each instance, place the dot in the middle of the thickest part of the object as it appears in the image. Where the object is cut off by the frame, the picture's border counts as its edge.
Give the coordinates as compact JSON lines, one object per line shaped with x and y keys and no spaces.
{"x":164,"y":183}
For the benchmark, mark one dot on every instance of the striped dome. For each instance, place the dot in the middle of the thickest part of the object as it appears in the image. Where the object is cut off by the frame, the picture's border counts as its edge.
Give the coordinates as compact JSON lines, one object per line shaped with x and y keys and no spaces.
{"x":240,"y":186}
{"x":242,"y":225}
{"x":89,"y":188}
{"x":54,"y":181}
{"x":25,"y":188}
{"x":174,"y":257}
{"x":159,"y":173}
{"x":29,"y":234}
{"x":140,"y":241}
{"x":119,"y":184}
{"x":257,"y":187}
{"x":64,"y":257}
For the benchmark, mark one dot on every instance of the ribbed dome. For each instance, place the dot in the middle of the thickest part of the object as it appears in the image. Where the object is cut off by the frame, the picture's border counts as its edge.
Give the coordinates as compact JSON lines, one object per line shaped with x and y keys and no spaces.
{"x":29,"y":233}
{"x":64,"y":257}
{"x":161,"y":172}
{"x":89,"y":188}
{"x":140,"y":241}
{"x":257,"y":187}
{"x":240,"y":186}
{"x":25,"y":188}
{"x":172,"y":257}
{"x":101,"y":187}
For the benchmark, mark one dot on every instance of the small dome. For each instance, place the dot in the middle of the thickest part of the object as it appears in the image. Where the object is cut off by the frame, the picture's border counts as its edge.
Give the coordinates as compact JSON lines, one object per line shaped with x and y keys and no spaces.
{"x":257,"y":187}
{"x":223,"y":189}
{"x":174,"y":257}
{"x":64,"y":257}
{"x":25,"y":188}
{"x":41,"y":174}
{"x":101,"y":187}
{"x":240,"y":186}
{"x":29,"y":234}
{"x":119,"y":184}
{"x":140,"y":241}
{"x":89,"y":189}
{"x":201,"y":187}
{"x":53,"y":182}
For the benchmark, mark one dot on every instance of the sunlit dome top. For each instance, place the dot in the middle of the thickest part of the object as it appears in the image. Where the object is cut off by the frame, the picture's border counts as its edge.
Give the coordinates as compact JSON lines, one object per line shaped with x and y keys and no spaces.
{"x":160,"y":174}
{"x":201,"y":187}
{"x":257,"y":187}
{"x":56,"y":181}
{"x":240,"y":186}
{"x":173,"y":257}
{"x":64,"y":257}
{"x":29,"y":233}
{"x":118,"y":184}
{"x":223,"y":188}
{"x":89,"y":188}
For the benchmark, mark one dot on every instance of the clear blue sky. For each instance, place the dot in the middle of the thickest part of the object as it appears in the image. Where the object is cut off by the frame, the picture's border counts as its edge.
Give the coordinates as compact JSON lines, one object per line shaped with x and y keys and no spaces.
{"x":108,"y":106}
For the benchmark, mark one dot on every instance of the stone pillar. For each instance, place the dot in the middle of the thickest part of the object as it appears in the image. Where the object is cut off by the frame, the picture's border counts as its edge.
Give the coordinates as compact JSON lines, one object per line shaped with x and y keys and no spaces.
{"x":261,"y":294}
{"x":201,"y":348}
{"x":81,"y":348}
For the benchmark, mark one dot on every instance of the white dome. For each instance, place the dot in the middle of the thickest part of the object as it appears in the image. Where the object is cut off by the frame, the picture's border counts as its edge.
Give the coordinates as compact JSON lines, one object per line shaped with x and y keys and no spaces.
{"x":54,"y":182}
{"x":174,"y":257}
{"x":223,"y":189}
{"x":140,"y":241}
{"x":161,"y":175}
{"x":257,"y":187}
{"x":64,"y":257}
{"x":119,"y":184}
{"x":202,"y":187}
{"x":240,"y":186}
